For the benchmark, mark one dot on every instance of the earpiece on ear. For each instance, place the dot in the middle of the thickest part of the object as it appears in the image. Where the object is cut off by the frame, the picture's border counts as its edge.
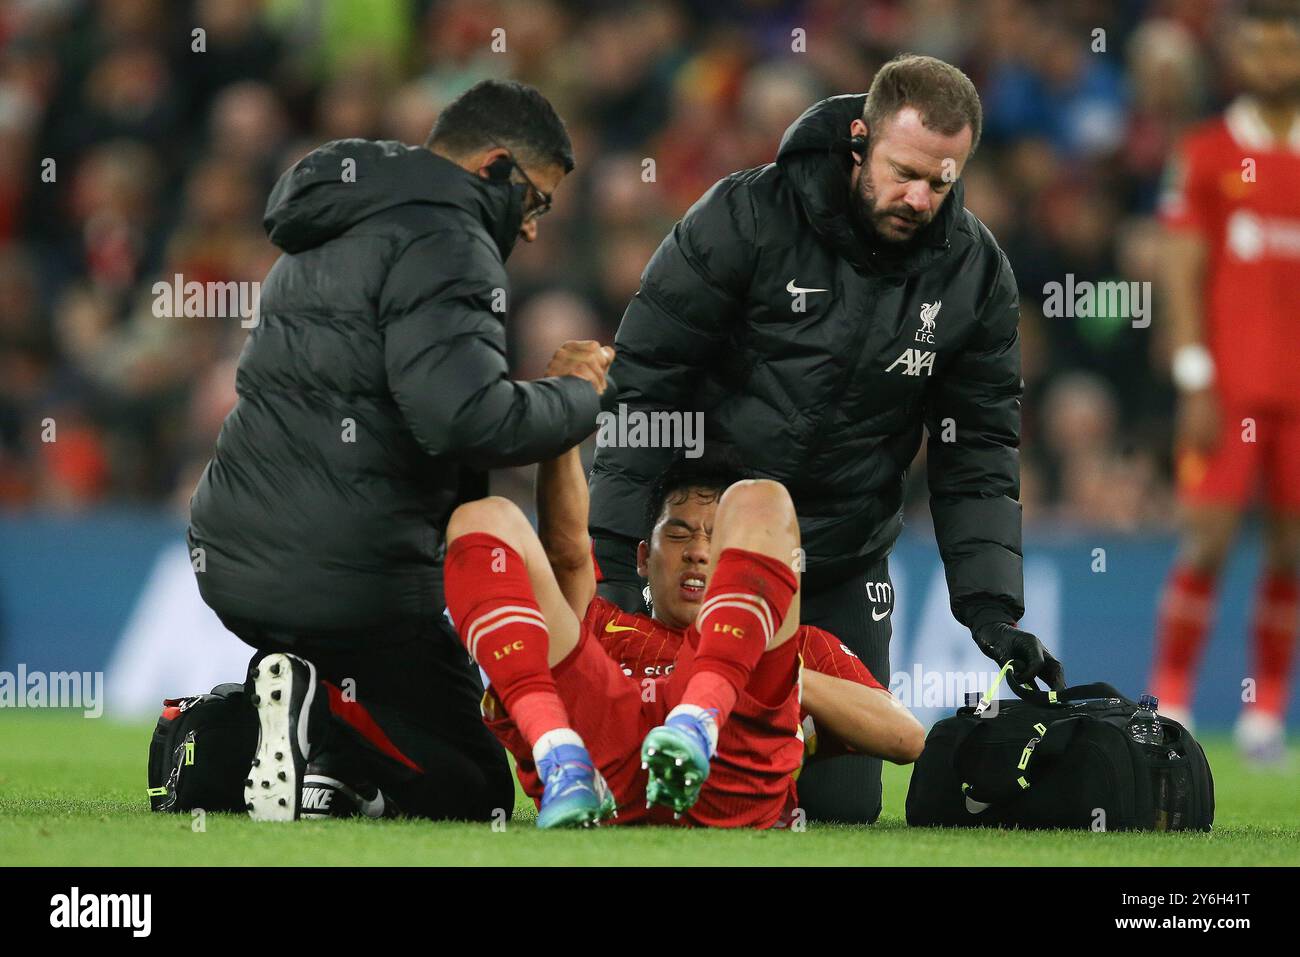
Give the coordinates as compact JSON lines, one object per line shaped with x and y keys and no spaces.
{"x":858,"y":147}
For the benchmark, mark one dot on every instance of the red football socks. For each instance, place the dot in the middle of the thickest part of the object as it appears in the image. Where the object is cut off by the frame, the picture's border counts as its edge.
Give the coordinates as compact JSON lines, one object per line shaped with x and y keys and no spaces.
{"x":492,"y":604}
{"x":747,"y":599}
{"x":1183,"y":622}
{"x":1273,"y":640}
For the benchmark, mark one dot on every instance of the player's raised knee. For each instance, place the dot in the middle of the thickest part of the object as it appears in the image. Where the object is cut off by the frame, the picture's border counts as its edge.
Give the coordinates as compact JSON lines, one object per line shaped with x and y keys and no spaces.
{"x":493,"y":515}
{"x":759,"y":501}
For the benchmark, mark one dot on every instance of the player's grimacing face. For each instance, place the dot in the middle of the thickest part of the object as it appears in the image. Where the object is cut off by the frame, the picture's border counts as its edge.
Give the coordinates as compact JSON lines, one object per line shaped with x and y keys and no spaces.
{"x":676,"y":560}
{"x":908,"y":173}
{"x":1266,"y":56}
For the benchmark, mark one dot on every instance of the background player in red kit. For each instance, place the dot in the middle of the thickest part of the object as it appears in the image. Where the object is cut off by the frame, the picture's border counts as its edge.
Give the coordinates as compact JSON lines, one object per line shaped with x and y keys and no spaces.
{"x":1232,"y":207}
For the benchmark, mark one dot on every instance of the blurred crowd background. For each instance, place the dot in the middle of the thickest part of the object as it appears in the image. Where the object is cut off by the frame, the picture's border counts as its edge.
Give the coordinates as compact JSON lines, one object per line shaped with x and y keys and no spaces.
{"x":163,"y":157}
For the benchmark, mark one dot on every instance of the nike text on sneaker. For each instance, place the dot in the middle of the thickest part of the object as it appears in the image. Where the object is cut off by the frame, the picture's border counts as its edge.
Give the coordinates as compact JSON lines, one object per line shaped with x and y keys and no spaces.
{"x":325,"y":796}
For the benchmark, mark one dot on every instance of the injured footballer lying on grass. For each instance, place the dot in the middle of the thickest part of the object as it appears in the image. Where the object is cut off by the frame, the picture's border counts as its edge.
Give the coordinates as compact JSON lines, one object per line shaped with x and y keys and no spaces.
{"x":693,"y":715}
{"x":701,"y":714}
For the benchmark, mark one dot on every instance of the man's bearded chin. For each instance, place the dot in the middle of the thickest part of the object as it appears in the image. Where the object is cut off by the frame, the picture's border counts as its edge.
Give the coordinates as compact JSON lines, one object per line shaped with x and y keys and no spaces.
{"x":874,"y":221}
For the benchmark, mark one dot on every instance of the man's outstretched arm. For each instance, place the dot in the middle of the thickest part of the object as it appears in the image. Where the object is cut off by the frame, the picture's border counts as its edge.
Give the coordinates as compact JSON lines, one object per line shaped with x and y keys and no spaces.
{"x":562,"y":506}
{"x":869,"y":720}
{"x":845,"y":699}
{"x":973,"y":417}
{"x":973,"y":461}
{"x":445,"y":361}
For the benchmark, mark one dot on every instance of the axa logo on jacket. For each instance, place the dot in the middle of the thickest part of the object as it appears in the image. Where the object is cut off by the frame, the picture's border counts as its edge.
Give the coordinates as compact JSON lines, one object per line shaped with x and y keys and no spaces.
{"x":914,"y":362}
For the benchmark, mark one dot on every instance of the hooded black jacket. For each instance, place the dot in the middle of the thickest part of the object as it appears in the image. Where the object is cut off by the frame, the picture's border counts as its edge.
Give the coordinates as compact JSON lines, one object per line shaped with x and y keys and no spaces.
{"x":831,"y":400}
{"x":372,"y":394}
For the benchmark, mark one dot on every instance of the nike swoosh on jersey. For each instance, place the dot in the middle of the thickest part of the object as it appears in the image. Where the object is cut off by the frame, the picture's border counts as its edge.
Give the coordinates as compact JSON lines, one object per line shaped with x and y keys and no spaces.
{"x":611,"y":627}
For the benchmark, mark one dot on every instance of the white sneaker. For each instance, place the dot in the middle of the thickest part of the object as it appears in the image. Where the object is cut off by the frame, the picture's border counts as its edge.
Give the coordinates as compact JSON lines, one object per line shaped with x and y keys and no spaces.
{"x":284,"y":694}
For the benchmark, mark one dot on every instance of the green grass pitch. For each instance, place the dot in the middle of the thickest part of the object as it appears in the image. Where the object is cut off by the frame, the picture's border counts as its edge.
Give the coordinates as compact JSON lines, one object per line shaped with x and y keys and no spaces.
{"x":72,"y":793}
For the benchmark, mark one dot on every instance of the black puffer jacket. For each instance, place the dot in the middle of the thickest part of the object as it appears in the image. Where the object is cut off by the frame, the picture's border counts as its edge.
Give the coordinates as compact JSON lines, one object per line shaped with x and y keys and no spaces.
{"x":372,"y":394}
{"x":831,"y":400}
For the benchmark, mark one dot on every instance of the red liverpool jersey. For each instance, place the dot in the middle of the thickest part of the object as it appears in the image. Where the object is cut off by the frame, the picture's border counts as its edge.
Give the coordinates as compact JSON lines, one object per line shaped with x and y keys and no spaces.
{"x":646,"y":648}
{"x":751,"y":779}
{"x":642,"y":646}
{"x":1233,"y":184}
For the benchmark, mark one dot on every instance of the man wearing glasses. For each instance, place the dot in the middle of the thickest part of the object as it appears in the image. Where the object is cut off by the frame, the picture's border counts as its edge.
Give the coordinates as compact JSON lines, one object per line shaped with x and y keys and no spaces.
{"x":374,"y":396}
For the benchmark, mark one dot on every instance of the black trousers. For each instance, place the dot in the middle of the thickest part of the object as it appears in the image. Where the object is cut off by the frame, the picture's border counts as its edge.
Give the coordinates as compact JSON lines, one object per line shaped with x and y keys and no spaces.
{"x":418,"y":687}
{"x":858,"y":610}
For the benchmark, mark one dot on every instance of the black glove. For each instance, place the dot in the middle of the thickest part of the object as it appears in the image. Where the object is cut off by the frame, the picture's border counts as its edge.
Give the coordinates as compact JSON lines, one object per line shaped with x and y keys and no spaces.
{"x":1004,"y":642}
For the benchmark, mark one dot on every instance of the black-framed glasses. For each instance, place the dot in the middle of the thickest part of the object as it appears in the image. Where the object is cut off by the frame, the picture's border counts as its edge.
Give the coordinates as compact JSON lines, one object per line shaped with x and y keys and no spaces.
{"x":542,"y":206}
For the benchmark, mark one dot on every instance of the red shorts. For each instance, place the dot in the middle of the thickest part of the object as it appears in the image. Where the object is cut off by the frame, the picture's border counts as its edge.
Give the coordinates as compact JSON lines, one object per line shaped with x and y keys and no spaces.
{"x":613,"y":713}
{"x":605,"y":707}
{"x":1232,"y":472}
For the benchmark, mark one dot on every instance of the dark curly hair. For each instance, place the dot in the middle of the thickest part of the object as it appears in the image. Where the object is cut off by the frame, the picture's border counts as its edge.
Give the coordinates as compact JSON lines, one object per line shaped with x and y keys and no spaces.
{"x":711,"y":473}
